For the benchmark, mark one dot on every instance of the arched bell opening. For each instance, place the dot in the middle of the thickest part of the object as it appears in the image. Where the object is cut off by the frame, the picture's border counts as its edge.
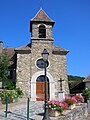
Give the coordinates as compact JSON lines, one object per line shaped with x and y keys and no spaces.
{"x":42,"y":31}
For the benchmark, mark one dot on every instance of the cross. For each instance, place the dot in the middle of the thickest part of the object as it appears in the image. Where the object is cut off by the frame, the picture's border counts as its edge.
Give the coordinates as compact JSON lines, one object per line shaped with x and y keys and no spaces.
{"x":60,"y":81}
{"x":41,"y":3}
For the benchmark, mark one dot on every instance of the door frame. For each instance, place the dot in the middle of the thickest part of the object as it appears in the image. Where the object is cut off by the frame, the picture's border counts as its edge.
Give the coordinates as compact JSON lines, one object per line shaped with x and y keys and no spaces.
{"x":33,"y":85}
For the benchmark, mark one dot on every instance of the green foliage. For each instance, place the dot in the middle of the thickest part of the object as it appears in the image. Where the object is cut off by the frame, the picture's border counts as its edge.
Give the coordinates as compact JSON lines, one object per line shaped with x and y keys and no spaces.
{"x":9,"y":85}
{"x":86,"y":93}
{"x":11,"y":94}
{"x":74,"y":80}
{"x":19,"y":91}
{"x":4,"y":64}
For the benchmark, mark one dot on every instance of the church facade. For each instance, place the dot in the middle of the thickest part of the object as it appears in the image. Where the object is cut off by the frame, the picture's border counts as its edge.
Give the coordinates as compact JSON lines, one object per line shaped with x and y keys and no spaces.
{"x":29,"y":62}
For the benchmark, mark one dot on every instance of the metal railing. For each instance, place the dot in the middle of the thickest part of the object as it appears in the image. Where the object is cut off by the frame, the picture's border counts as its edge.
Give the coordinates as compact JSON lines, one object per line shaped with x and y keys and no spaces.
{"x":28,"y":105}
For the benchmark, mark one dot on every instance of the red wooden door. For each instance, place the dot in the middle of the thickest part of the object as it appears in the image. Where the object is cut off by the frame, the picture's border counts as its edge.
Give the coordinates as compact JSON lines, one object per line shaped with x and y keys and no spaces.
{"x":40,"y":90}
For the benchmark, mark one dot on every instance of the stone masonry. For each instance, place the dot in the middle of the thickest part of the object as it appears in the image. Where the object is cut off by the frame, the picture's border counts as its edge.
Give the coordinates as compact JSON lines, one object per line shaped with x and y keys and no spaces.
{"x":29,"y":54}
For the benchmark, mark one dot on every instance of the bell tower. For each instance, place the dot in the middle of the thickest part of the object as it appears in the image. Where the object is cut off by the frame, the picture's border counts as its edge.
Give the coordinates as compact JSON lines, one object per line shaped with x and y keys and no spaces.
{"x":41,"y":27}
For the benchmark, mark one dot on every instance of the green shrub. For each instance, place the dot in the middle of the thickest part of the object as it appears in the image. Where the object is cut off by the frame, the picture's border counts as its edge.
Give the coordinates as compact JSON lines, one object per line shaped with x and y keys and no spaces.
{"x":86,"y":93}
{"x":11,"y":94}
{"x":19,"y":92}
{"x":9,"y":85}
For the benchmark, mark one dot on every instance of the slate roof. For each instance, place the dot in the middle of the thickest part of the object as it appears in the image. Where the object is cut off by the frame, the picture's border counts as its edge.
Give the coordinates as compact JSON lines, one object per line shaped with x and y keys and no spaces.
{"x":58,"y":50}
{"x":55,"y":49}
{"x":27,"y":48}
{"x":87,"y":79}
{"x":42,"y":16}
{"x":24,"y":48}
{"x":9,"y":51}
{"x":78,"y":88}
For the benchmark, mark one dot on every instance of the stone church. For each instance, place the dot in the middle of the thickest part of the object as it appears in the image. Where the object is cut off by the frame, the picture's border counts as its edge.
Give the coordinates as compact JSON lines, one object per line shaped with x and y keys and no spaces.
{"x":27,"y":63}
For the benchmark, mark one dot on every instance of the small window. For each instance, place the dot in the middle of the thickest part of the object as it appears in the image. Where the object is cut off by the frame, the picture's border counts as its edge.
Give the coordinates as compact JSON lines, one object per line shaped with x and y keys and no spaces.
{"x":42,"y":31}
{"x":40,"y":63}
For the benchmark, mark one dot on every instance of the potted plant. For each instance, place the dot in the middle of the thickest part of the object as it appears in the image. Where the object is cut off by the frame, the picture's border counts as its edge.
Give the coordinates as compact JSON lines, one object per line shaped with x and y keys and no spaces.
{"x":79,"y":99}
{"x":56,"y":108}
{"x":70,"y":101}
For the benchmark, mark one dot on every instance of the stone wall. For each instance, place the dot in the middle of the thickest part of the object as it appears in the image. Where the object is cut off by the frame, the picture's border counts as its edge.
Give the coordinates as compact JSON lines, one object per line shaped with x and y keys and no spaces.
{"x":35,"y":30}
{"x":26,"y":67}
{"x":24,"y":72}
{"x":79,"y":113}
{"x":59,"y":70}
{"x":37,"y":49}
{"x":26,"y":63}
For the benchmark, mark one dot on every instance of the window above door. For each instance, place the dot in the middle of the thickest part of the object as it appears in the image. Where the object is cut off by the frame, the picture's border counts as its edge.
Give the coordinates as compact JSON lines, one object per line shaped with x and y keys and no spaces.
{"x":40,"y":63}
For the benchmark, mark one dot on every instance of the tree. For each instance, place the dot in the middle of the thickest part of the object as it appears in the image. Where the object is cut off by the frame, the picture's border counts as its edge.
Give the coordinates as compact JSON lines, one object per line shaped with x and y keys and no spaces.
{"x":4,"y":64}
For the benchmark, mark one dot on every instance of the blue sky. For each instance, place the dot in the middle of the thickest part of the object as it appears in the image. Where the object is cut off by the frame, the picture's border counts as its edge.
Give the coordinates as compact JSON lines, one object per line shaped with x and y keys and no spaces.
{"x":71,"y":30}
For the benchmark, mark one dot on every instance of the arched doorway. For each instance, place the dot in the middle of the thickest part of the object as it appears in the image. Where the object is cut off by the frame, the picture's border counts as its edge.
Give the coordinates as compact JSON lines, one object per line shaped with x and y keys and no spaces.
{"x":40,"y":88}
{"x":33,"y":85}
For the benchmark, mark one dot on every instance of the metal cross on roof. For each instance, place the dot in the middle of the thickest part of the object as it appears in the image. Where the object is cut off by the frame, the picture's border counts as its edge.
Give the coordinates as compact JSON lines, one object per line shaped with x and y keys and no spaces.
{"x":40,"y":3}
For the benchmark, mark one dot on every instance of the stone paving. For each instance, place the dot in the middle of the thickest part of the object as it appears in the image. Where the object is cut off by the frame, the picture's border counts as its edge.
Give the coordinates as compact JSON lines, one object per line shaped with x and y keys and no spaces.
{"x":19,"y":112}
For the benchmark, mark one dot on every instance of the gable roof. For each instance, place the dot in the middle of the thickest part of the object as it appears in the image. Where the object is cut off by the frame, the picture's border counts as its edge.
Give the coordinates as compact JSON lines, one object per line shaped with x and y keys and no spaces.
{"x":87,"y":79}
{"x":55,"y":49}
{"x":58,"y":50}
{"x":26,"y":48}
{"x":78,"y":88}
{"x":41,"y":16}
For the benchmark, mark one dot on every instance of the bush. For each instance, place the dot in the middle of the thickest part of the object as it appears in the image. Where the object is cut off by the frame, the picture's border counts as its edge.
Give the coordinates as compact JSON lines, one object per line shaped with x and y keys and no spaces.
{"x":9,"y":85}
{"x":86,"y":93}
{"x":19,"y":92}
{"x":11,"y":94}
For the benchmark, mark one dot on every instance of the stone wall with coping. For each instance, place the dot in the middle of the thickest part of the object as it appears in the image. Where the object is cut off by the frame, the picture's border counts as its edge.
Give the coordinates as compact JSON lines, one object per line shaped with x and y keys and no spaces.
{"x":79,"y":113}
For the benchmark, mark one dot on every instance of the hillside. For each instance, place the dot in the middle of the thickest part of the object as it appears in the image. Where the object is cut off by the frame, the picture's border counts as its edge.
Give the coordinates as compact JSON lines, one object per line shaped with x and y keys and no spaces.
{"x":74,"y":80}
